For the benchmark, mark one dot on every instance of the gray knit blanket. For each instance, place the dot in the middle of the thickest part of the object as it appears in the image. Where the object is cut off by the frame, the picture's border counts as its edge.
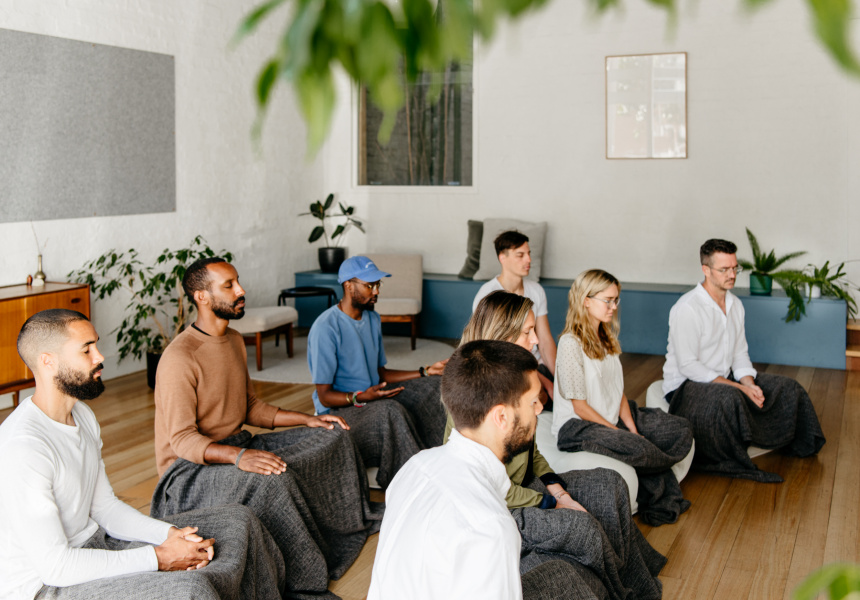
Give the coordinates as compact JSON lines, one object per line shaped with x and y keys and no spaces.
{"x":610,"y":556}
{"x":422,"y":397}
{"x":247,"y":565}
{"x":663,"y":440}
{"x":318,"y":511}
{"x":559,"y":580}
{"x":390,"y":432}
{"x":725,"y":423}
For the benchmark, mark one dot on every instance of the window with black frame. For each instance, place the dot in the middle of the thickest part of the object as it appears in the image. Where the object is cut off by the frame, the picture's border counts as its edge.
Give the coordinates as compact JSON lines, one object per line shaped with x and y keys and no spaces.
{"x":431,"y":141}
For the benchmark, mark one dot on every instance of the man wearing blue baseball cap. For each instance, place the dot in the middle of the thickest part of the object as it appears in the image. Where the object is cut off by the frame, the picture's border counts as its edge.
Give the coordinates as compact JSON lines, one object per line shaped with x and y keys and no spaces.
{"x":347,"y":362}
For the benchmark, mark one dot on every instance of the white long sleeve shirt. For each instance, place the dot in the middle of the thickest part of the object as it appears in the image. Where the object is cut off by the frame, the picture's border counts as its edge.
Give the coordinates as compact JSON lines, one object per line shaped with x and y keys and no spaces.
{"x":447,"y":532}
{"x":704,"y":342}
{"x":54,"y":495}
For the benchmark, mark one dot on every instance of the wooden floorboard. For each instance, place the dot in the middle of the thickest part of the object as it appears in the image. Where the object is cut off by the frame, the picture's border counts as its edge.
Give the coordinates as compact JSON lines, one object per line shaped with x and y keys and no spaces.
{"x":740,"y":539}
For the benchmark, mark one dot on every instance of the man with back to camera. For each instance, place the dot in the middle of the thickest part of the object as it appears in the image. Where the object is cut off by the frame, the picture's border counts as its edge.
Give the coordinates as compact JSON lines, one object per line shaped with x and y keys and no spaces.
{"x":447,"y":532}
{"x":514,"y":254}
{"x":708,"y":379}
{"x":63,"y":532}
{"x":347,"y":361}
{"x":307,"y":484}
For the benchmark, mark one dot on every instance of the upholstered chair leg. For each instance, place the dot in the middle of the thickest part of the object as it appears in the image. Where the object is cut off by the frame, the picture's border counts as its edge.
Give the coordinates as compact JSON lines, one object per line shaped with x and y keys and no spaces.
{"x":289,"y":336}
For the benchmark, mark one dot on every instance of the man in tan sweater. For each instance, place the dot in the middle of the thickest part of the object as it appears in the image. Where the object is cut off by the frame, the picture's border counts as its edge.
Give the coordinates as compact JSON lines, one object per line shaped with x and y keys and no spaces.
{"x":307,"y":485}
{"x":193,"y":413}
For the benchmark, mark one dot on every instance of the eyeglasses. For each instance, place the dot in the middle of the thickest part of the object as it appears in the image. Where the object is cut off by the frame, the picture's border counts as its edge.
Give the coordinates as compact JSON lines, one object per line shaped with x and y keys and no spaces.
{"x":614,"y":302}
{"x":369,"y":286}
{"x":735,"y":270}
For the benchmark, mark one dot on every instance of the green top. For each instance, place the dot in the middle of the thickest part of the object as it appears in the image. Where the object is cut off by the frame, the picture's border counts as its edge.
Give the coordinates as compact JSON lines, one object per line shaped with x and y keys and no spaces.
{"x":518,"y":496}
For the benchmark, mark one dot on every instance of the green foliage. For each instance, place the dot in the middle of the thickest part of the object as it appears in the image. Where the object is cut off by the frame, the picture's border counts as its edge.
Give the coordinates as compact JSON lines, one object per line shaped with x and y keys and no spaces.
{"x":158,"y":310}
{"x":832,"y":284}
{"x":767,"y":263}
{"x":370,"y":42}
{"x":798,"y":284}
{"x":840,"y":581}
{"x":319,"y":210}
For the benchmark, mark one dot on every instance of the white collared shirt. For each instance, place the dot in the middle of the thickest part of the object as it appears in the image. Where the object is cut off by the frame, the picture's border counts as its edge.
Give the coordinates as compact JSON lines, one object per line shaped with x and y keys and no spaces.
{"x":704,"y":342}
{"x":447,"y":532}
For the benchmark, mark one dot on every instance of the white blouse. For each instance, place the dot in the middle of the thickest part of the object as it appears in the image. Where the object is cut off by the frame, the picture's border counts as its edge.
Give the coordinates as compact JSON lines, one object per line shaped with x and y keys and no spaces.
{"x":577,"y":377}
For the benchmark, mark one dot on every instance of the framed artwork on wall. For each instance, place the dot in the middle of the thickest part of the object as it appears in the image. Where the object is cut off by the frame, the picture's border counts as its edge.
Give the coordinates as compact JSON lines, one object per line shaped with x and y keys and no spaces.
{"x":646,"y":106}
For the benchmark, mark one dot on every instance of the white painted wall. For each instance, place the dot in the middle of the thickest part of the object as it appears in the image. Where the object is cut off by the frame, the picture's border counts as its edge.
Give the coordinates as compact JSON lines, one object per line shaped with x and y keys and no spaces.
{"x":774,"y":133}
{"x":236,"y":197}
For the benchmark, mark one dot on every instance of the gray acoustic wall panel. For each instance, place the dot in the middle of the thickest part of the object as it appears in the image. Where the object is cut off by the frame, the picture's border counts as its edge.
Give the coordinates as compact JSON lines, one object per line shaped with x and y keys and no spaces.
{"x":85,"y":129}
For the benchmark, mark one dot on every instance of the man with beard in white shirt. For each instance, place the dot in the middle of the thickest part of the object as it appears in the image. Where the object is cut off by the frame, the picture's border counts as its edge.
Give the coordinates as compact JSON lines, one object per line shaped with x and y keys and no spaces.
{"x":447,"y":532}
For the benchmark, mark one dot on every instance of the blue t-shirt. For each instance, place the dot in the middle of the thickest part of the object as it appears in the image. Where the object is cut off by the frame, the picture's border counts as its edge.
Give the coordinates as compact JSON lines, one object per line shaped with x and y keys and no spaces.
{"x":344,"y":352}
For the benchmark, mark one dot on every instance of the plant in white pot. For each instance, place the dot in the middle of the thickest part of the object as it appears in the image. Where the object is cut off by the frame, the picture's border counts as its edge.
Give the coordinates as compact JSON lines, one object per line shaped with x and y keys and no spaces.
{"x":332,"y":254}
{"x":820,"y":281}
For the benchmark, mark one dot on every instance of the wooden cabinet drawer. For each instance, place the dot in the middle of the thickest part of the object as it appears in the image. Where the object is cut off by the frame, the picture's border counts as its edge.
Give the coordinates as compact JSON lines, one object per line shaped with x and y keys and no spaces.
{"x":17,"y":304}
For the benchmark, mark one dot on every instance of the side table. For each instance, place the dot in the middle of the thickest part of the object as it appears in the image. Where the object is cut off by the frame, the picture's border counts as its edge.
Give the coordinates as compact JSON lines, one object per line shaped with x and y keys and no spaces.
{"x":308,"y":301}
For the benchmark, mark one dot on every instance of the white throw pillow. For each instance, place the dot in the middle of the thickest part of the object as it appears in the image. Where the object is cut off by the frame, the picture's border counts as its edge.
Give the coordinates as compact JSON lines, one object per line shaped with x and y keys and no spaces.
{"x":490,"y":267}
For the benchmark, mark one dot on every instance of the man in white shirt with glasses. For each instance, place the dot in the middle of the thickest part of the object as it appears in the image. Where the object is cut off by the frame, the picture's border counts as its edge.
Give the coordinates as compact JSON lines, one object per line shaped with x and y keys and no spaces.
{"x":708,"y":378}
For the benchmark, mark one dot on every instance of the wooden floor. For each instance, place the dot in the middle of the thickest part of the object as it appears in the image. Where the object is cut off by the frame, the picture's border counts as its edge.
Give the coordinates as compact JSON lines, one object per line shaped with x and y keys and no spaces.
{"x":739,"y":540}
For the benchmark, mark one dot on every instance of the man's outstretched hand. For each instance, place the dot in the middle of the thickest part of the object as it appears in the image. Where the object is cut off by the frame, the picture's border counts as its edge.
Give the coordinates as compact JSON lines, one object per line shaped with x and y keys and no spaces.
{"x":378,"y":392}
{"x":262,"y":462}
{"x":326,"y":421}
{"x":184,"y":550}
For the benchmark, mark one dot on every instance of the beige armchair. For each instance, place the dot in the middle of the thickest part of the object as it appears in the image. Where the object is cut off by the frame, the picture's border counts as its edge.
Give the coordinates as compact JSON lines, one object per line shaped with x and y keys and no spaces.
{"x":400,"y":298}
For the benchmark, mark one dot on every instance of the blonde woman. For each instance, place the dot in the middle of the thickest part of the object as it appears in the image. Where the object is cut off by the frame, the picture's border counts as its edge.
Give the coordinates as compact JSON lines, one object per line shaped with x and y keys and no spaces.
{"x":593,"y":414}
{"x":576,"y":513}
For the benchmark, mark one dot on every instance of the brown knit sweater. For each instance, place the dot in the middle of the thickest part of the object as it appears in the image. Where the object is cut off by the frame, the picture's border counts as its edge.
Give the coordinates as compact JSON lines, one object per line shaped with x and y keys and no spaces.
{"x":203,"y":394}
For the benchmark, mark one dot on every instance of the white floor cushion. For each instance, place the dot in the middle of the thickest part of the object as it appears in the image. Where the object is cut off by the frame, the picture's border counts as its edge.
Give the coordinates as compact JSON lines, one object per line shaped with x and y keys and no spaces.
{"x":561,"y":461}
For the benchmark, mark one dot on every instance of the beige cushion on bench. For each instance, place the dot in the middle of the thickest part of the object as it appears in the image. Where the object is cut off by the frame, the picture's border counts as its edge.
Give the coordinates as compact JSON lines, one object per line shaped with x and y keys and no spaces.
{"x":397,"y":306}
{"x":268,"y":320}
{"x":400,"y":297}
{"x":264,"y":319}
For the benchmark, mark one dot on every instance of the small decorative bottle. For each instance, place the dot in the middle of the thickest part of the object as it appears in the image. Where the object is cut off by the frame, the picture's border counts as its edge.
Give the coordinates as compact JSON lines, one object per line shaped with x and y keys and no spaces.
{"x":39,"y":277}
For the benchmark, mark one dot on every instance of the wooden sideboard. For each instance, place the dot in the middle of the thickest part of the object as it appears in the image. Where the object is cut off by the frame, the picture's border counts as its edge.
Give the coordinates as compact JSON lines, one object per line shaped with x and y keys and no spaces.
{"x":17,"y":304}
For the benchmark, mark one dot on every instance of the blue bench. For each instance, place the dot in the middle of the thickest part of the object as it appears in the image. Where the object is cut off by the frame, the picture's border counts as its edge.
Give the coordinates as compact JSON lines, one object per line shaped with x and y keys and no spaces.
{"x":818,"y":340}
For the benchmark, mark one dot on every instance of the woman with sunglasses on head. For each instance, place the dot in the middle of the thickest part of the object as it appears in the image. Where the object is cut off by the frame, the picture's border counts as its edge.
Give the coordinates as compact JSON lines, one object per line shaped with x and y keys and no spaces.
{"x":582,"y":515}
{"x":592,"y":412}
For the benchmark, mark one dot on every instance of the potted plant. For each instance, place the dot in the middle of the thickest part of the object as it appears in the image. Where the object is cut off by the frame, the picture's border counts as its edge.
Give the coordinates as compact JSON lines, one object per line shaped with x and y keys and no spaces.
{"x":158,"y":309}
{"x":332,"y":254}
{"x":819,"y":281}
{"x":763,"y":268}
